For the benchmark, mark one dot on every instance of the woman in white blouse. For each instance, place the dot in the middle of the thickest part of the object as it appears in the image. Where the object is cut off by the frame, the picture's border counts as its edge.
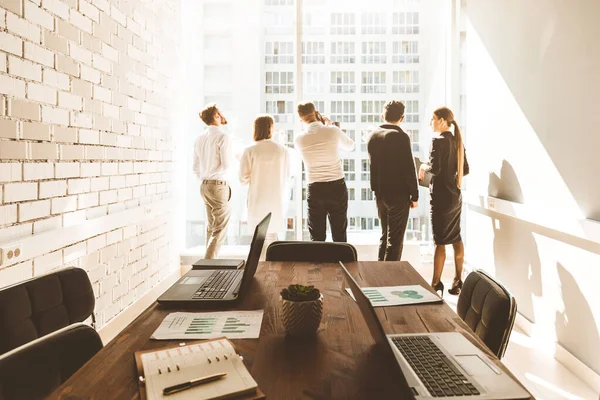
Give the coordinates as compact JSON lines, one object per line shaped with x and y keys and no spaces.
{"x":266,"y":167}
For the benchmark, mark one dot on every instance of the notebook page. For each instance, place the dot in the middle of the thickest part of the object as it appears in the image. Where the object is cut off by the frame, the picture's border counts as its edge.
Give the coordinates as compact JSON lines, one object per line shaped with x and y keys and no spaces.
{"x":170,"y":367}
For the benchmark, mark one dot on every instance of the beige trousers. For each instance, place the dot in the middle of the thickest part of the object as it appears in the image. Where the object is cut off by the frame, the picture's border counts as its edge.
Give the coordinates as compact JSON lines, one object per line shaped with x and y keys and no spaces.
{"x":216,"y":195}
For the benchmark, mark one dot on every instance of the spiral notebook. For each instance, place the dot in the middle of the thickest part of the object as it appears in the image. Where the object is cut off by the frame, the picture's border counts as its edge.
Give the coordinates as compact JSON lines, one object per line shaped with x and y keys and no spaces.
{"x":158,"y":369}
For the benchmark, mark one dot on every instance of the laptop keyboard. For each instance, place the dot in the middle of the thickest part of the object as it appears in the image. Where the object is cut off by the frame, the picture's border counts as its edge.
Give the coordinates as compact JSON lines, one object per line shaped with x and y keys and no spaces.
{"x":217,"y":284}
{"x":439,"y":375}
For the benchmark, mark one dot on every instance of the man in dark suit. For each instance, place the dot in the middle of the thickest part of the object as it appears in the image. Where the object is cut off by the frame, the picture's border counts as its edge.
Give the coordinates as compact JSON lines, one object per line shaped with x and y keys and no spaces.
{"x":393,"y":179}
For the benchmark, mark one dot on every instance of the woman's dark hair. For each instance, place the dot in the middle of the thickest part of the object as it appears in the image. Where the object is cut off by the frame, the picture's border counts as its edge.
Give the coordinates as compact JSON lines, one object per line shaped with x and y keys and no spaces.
{"x":448,"y":116}
{"x":262,"y":127}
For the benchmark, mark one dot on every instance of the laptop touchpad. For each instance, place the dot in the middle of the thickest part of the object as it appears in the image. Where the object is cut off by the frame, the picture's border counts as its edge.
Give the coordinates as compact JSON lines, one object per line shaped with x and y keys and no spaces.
{"x":192,"y":280}
{"x":474,"y":365}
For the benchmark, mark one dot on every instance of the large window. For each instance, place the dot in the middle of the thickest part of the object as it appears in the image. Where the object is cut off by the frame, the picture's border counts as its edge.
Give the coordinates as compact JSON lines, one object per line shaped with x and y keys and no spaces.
{"x":349,"y":58}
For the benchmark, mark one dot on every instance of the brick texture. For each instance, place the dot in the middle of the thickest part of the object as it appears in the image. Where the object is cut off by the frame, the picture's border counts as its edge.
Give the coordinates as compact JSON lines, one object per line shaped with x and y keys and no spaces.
{"x":86,"y":96}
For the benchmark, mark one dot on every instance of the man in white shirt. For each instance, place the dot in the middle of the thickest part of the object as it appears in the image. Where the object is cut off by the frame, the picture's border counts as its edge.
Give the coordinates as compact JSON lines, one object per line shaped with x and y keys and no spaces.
{"x":320,"y":147}
{"x":213,"y":157}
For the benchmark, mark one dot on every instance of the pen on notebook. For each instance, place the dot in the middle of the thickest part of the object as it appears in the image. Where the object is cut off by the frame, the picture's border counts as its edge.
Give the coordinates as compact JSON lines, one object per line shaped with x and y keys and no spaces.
{"x":194,"y":382}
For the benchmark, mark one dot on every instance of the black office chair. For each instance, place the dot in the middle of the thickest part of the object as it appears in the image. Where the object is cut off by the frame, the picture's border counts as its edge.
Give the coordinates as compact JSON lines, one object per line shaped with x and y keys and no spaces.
{"x":311,"y":251}
{"x":42,"y":305}
{"x":36,"y":369}
{"x":488,"y":309}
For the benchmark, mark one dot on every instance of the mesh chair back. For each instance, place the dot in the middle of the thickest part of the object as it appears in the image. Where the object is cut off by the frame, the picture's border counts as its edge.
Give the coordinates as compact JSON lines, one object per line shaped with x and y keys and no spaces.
{"x":488,"y":309}
{"x":311,"y":251}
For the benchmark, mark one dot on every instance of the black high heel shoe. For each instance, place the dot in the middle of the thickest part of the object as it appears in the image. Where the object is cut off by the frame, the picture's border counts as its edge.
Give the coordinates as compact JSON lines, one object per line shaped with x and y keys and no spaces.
{"x":439,"y":287}
{"x":456,"y":287}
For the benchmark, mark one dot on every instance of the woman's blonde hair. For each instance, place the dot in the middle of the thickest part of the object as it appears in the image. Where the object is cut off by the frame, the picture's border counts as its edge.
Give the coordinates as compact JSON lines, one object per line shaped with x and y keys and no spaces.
{"x":448,"y":116}
{"x":262,"y":127}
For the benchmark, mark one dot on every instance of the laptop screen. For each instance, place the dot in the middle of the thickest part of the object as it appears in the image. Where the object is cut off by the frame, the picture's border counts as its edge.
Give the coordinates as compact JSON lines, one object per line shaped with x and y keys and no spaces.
{"x":366,"y":309}
{"x":258,"y":240}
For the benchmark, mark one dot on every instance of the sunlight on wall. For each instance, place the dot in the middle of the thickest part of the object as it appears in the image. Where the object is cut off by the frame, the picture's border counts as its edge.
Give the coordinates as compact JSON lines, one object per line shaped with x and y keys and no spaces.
{"x":499,"y":131}
{"x":551,"y":273}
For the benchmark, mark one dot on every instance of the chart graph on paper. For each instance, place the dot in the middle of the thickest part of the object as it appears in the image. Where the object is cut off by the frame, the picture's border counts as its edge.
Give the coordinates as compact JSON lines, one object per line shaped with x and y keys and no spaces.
{"x":230,"y":324}
{"x":398,"y":295}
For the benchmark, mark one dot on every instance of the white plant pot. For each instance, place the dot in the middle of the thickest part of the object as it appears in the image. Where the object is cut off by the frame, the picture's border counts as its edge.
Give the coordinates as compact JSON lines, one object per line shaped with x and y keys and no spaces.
{"x":301,"y":318}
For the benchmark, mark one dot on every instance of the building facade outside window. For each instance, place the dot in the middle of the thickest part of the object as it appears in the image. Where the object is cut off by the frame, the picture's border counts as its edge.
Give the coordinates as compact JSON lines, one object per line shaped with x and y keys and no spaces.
{"x":405,"y":23}
{"x":279,"y":53}
{"x":405,"y":52}
{"x":343,"y":111}
{"x":279,"y":82}
{"x":373,"y":82}
{"x":373,"y":52}
{"x":343,"y":24}
{"x":343,"y":53}
{"x":343,"y":82}
{"x":313,"y":52}
{"x":374,"y":23}
{"x":405,"y":82}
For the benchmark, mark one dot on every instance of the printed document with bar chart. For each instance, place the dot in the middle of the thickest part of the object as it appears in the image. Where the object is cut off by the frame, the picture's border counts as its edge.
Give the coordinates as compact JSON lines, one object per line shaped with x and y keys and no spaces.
{"x":398,"y":295}
{"x":209,"y":325}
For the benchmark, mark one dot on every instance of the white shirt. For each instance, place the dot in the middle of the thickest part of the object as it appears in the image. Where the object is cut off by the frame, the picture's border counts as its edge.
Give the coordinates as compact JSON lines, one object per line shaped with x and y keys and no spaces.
{"x":213,"y":154}
{"x":320,"y":147}
{"x":266,"y":166}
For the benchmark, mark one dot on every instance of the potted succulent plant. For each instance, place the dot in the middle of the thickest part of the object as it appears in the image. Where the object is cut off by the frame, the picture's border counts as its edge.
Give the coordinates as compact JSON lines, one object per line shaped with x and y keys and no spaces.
{"x":301,"y":309}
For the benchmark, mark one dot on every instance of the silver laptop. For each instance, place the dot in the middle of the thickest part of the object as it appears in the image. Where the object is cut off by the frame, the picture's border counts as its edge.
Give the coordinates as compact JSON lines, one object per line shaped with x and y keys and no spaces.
{"x":440,"y":365}
{"x":217,"y":286}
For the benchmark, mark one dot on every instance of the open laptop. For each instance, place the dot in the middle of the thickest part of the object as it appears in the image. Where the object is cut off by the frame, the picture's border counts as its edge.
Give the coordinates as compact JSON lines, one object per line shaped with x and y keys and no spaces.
{"x":217,"y":286}
{"x":440,"y":365}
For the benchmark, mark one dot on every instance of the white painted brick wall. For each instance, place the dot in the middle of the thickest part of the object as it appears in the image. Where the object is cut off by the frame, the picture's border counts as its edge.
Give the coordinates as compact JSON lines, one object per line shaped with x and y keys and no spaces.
{"x":41,"y":93}
{"x":53,"y":189}
{"x":38,"y":171}
{"x":34,"y":210}
{"x":15,"y":192}
{"x":85,"y":96}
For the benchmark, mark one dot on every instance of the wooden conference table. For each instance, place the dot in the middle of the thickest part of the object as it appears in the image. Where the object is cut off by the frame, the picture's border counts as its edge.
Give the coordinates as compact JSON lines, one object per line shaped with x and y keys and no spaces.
{"x":340,"y":362}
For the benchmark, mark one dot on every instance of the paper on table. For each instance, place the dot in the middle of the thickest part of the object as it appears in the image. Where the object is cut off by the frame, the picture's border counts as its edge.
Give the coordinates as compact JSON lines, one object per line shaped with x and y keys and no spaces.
{"x":209,"y":325}
{"x":397,"y":295}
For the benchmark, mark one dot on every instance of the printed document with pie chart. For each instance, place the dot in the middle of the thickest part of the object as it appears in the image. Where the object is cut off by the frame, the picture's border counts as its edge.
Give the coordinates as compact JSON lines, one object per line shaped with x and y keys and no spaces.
{"x":398,"y":295}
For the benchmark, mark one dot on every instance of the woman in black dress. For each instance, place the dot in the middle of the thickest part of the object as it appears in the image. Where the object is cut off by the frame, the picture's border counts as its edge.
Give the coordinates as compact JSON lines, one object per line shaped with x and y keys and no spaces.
{"x":448,"y":164}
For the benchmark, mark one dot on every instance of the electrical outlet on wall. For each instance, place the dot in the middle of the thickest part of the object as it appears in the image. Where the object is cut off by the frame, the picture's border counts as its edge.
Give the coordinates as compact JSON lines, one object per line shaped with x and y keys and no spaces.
{"x":11,"y":252}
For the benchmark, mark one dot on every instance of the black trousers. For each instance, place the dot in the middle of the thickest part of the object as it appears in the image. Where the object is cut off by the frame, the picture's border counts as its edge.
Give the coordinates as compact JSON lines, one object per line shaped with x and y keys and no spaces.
{"x":328,"y":199}
{"x":393,"y":214}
